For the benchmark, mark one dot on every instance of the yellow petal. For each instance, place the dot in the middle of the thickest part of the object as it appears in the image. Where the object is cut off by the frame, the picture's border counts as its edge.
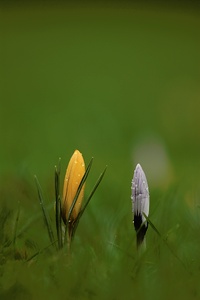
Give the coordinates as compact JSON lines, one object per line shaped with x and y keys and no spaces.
{"x":73,"y":176}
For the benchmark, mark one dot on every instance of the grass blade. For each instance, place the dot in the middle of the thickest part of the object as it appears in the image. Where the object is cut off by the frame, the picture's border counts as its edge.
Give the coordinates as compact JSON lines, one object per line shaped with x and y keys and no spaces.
{"x":80,"y":187}
{"x":88,"y":200}
{"x":45,"y":214}
{"x":58,"y":206}
{"x":69,"y":229}
{"x":151,"y":224}
{"x":40,"y":251}
{"x":16,"y":225}
{"x":164,"y":240}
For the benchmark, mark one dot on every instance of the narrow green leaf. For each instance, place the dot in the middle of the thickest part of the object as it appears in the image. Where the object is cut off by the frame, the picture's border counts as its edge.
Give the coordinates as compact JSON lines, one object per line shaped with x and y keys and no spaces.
{"x":45,"y":214}
{"x":40,"y":251}
{"x":16,"y":225}
{"x":80,"y":187}
{"x":164,"y":240}
{"x":58,"y":206}
{"x":151,"y":224}
{"x":88,"y":200}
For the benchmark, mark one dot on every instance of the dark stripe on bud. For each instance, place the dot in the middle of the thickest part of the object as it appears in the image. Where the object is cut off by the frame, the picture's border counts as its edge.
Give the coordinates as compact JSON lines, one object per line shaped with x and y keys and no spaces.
{"x":140,"y":228}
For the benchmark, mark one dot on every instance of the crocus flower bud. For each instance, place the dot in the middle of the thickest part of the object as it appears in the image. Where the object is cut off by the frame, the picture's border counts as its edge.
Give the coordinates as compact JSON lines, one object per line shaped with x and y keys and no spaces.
{"x":140,"y":202}
{"x":73,"y":177}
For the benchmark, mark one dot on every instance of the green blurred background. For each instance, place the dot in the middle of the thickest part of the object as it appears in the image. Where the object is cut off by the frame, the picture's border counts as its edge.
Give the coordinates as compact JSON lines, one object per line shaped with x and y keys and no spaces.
{"x":98,"y":78}
{"x":118,"y":81}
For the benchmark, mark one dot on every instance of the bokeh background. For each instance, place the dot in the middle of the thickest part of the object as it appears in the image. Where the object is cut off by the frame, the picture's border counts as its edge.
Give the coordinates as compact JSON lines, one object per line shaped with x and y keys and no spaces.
{"x":104,"y":78}
{"x":118,"y":81}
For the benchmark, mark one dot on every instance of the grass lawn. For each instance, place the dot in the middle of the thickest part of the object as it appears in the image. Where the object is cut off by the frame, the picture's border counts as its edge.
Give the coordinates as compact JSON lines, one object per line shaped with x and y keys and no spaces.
{"x":119,"y":82}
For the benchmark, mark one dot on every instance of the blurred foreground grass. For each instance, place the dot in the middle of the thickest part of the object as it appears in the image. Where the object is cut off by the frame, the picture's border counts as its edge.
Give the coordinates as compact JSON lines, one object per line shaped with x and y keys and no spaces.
{"x":120,"y":84}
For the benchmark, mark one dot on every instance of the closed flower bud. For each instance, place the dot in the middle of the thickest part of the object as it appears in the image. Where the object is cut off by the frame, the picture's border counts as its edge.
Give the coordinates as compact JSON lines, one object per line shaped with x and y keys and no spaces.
{"x":73,"y":177}
{"x":140,"y":202}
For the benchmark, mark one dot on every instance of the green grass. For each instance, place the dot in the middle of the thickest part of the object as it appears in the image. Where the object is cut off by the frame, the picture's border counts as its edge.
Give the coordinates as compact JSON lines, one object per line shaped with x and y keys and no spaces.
{"x":120,"y":83}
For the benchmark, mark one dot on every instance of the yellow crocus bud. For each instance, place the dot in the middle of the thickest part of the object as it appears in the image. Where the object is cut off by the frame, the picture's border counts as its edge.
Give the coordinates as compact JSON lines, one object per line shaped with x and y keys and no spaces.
{"x":73,"y":176}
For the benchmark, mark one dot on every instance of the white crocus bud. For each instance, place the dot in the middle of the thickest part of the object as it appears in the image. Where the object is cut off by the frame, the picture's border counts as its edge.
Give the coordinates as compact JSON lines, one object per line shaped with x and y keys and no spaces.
{"x":140,"y":203}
